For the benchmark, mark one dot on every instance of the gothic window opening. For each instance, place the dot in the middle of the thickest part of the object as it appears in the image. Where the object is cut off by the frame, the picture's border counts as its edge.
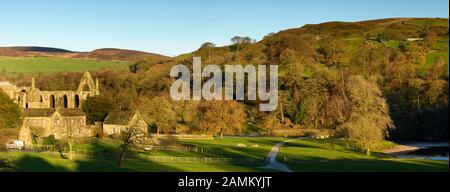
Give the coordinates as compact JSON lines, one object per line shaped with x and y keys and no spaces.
{"x":52,"y":101}
{"x":65,"y":105}
{"x":86,"y":87}
{"x":77,"y":101}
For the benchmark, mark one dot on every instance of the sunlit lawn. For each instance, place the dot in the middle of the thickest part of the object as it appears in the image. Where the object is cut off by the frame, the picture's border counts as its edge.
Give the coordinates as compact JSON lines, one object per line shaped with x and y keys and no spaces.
{"x":299,"y":155}
{"x":314,"y":155}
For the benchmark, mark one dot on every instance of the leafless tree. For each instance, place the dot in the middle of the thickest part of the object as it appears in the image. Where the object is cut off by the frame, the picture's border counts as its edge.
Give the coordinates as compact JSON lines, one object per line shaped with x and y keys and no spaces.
{"x":133,"y":137}
{"x":69,"y":139}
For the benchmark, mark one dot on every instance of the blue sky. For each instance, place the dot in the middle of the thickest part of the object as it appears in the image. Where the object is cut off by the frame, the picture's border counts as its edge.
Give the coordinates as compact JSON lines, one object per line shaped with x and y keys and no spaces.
{"x":173,"y":27}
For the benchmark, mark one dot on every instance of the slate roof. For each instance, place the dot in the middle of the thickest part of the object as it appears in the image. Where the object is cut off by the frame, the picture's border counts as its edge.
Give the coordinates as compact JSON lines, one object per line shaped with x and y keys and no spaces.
{"x":50,"y":112}
{"x":37,"y":112}
{"x":71,"y":112}
{"x":119,"y":117}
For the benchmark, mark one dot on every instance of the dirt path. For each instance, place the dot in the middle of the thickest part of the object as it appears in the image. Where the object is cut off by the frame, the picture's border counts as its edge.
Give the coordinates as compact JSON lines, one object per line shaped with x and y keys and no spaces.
{"x":273,"y":164}
{"x":402,"y":148}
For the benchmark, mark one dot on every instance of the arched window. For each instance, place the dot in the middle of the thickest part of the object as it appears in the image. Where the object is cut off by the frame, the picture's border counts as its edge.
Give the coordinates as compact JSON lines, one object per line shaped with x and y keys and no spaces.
{"x":86,"y":87}
{"x":77,"y":101}
{"x":52,"y":101}
{"x":65,"y":105}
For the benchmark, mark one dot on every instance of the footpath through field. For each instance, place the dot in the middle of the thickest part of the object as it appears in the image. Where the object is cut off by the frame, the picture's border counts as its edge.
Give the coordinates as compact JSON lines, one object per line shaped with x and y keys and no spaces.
{"x":273,"y":164}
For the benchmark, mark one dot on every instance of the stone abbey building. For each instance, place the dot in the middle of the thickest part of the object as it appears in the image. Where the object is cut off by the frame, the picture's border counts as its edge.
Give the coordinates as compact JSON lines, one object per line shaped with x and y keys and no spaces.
{"x":56,"y":113}
{"x":34,"y":98}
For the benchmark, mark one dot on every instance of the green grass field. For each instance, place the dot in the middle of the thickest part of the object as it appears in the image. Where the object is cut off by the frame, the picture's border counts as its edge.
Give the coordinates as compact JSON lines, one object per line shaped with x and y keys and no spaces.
{"x":32,"y":65}
{"x":392,"y":43}
{"x":423,"y":22}
{"x":255,"y":147}
{"x":300,"y":155}
{"x":322,"y":155}
{"x":431,"y":59}
{"x":46,"y":162}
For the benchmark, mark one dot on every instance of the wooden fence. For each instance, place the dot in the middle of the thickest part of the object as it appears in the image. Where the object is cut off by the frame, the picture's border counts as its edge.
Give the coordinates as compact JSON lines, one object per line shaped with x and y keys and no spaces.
{"x":218,"y":156}
{"x":172,"y":159}
{"x":181,"y":136}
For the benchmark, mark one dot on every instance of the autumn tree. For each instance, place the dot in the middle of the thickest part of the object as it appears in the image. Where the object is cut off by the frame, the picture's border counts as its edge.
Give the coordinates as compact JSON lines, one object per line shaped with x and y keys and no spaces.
{"x":220,"y":117}
{"x":417,"y":86}
{"x":430,"y":38}
{"x":9,"y":112}
{"x":143,"y":65}
{"x":371,"y":60}
{"x":97,"y":108}
{"x":333,"y":50}
{"x":10,"y":119}
{"x":369,"y":118}
{"x":161,"y":112}
{"x":271,"y":122}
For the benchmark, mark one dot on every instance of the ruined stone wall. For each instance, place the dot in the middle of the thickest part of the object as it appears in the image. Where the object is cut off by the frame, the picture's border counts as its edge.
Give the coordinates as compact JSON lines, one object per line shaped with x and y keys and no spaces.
{"x":33,"y":98}
{"x":59,"y":126}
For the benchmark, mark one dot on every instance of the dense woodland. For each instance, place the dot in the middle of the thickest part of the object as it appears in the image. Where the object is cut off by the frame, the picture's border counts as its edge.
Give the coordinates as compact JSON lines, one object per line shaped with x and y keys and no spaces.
{"x":358,"y":79}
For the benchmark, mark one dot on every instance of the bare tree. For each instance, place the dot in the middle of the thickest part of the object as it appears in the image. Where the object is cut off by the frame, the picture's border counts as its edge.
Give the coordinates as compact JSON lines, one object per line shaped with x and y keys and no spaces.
{"x":68,"y":140}
{"x":37,"y":132}
{"x":133,"y":137}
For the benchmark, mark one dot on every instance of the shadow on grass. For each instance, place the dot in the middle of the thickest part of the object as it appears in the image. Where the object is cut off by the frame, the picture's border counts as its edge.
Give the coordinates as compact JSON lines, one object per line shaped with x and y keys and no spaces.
{"x":380,"y":165}
{"x":46,"y":162}
{"x":30,"y":163}
{"x":39,"y":162}
{"x":255,"y":147}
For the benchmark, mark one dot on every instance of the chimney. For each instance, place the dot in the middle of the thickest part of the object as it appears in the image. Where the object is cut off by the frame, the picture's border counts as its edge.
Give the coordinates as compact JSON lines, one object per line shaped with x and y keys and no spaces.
{"x":33,"y":83}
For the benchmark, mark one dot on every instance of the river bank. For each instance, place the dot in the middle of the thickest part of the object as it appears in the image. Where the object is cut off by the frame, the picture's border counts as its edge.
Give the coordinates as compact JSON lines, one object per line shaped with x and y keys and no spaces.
{"x":420,"y":150}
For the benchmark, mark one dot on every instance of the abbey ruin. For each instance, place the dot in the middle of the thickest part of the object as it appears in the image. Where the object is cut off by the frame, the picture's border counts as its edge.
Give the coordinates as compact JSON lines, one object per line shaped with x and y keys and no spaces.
{"x":56,"y":113}
{"x":34,"y":98}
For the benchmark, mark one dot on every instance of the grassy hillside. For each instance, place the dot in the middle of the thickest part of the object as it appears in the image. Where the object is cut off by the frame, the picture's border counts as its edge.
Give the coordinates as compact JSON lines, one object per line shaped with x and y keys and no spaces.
{"x":13,"y":66}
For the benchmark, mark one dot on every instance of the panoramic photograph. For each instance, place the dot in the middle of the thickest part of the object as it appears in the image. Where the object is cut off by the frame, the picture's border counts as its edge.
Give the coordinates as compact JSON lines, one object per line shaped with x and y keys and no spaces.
{"x":224,"y":86}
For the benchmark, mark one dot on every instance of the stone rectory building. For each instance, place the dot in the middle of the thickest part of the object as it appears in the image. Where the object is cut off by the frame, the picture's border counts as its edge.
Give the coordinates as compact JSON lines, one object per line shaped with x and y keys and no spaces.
{"x":56,"y":112}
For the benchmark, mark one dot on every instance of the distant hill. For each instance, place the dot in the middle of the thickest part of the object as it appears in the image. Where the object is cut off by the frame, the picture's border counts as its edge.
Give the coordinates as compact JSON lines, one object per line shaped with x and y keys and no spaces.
{"x":36,"y":49}
{"x":106,"y":54}
{"x":24,"y":51}
{"x":111,"y":54}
